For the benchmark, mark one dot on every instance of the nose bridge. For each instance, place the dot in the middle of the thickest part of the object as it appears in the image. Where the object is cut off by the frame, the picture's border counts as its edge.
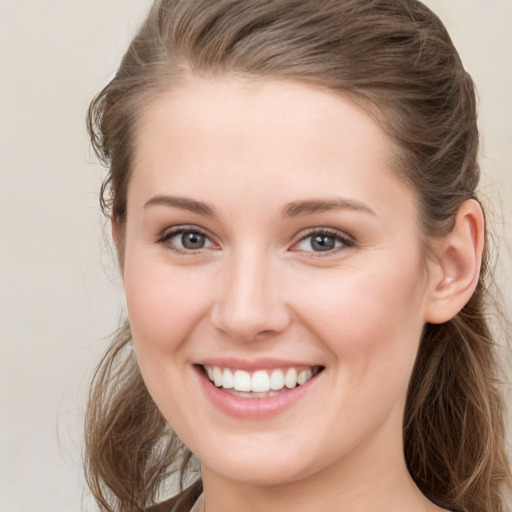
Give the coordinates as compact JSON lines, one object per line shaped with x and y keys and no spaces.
{"x":250,"y":302}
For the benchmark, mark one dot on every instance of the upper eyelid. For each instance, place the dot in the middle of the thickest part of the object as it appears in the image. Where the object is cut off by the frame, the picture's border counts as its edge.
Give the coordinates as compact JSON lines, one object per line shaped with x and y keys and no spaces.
{"x":347,"y":242}
{"x":171,"y":232}
{"x":164,"y":240}
{"x":323,"y":230}
{"x":304,"y":233}
{"x":176,"y":230}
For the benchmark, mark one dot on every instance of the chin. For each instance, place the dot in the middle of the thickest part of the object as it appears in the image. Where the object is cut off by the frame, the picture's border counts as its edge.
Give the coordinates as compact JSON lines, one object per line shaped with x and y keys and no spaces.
{"x":276,"y":465}
{"x":264,"y":473}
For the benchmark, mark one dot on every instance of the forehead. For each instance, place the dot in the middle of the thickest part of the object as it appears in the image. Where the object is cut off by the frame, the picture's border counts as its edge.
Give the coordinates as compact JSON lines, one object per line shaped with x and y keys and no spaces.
{"x":281,"y":138}
{"x":255,"y":107}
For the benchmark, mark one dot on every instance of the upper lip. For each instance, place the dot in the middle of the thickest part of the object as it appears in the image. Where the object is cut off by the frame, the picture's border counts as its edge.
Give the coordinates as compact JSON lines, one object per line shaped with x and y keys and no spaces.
{"x":254,"y":364}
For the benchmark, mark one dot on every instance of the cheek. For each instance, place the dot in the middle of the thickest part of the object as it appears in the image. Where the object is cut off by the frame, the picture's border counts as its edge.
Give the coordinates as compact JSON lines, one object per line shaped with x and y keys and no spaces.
{"x":369,"y":319}
{"x":371,"y":325}
{"x":164,"y":304}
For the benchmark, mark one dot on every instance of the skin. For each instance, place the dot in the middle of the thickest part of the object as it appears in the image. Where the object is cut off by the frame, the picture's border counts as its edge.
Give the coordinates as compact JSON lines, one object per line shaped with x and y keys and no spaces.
{"x":258,"y":289}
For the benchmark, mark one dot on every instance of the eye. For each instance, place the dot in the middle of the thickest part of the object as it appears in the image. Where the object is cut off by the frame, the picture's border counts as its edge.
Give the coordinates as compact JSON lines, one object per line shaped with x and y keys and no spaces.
{"x":322,"y":242}
{"x":186,"y":240}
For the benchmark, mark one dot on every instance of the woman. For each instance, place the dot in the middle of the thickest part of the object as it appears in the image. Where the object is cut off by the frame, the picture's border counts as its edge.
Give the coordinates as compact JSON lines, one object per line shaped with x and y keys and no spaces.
{"x":292,"y":189}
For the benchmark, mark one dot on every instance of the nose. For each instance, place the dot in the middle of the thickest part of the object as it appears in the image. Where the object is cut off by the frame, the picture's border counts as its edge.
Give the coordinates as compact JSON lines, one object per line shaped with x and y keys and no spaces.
{"x":250,"y":303}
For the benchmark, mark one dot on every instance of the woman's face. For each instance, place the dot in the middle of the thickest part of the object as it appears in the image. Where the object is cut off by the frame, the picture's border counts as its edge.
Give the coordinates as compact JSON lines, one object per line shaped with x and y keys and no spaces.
{"x":270,"y":244}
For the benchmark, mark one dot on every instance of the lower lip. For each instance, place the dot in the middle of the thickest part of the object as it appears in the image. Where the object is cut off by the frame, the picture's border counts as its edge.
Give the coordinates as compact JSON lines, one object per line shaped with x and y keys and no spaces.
{"x":253,"y":408}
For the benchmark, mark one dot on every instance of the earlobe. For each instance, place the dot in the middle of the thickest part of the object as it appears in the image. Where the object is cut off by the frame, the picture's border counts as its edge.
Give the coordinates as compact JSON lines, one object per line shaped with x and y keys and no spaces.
{"x":458,"y":262}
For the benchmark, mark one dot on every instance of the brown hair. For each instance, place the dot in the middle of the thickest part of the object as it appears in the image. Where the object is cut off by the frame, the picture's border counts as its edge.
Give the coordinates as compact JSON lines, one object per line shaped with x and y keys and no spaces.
{"x":396,"y":60}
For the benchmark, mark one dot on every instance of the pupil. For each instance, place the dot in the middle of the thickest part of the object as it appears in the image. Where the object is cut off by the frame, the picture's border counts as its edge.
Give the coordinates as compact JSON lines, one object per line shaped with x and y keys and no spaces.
{"x":192,"y":240}
{"x":322,"y":242}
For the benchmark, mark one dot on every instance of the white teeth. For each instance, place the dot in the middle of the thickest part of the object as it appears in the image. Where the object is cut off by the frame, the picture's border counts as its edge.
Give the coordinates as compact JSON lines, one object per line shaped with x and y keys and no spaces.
{"x":304,"y":376}
{"x":261,"y":383}
{"x":276,"y":380}
{"x":217,"y":376}
{"x":228,"y":380}
{"x":251,"y":394}
{"x":290,"y":380}
{"x":242,"y":381}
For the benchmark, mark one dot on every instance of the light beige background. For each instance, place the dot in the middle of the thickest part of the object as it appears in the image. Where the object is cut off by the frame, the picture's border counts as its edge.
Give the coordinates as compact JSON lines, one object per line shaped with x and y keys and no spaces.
{"x":59,"y":294}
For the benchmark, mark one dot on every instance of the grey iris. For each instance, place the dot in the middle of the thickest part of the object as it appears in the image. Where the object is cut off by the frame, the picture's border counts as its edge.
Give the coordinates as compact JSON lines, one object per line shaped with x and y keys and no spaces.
{"x":192,"y":240}
{"x":323,"y":242}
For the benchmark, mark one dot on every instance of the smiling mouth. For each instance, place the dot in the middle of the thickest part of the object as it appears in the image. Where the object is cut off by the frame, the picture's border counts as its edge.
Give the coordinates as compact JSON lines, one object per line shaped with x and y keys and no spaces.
{"x":259,"y":383}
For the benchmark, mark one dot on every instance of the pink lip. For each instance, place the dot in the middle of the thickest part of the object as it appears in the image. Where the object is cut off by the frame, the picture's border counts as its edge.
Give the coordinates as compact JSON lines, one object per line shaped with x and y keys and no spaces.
{"x":253,"y":364}
{"x":252,"y":408}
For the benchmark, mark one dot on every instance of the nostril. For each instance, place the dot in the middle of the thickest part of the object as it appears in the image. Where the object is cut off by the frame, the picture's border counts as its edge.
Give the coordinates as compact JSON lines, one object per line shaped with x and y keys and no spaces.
{"x":244,"y":322}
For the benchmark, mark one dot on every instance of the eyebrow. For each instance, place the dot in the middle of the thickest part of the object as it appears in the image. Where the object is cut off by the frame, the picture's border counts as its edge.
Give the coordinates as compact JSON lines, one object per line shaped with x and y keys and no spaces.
{"x":294,"y":209}
{"x":299,"y":208}
{"x":183,"y":203}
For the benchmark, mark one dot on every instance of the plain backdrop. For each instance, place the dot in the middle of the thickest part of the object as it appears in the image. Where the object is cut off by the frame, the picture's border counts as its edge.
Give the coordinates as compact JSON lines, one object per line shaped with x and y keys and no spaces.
{"x":60,"y":297}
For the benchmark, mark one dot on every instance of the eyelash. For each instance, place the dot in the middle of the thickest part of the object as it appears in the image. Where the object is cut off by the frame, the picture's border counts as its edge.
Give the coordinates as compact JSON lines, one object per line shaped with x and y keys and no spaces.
{"x":342,"y":239}
{"x":167,"y":236}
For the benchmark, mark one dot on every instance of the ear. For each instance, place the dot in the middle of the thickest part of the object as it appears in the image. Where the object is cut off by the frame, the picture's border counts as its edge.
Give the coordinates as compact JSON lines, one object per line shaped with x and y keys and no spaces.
{"x":455,"y":272}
